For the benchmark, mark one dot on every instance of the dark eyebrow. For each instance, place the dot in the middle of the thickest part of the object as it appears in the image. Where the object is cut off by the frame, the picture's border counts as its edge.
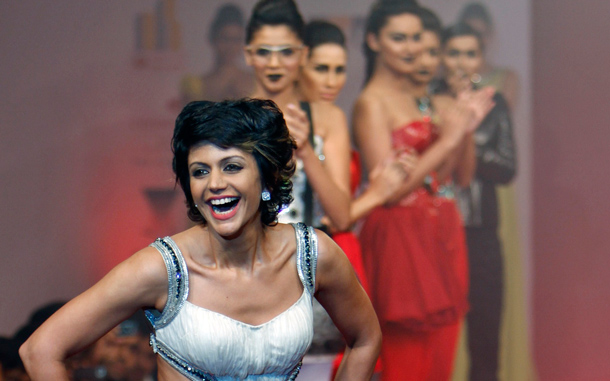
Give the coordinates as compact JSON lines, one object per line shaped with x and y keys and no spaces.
{"x":229,"y":158}
{"x":222,"y":161}
{"x":198,"y":163}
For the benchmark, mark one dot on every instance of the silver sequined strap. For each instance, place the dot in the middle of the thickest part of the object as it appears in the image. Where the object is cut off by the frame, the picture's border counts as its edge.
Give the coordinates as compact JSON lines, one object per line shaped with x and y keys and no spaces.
{"x":177,"y":277}
{"x":307,"y":255}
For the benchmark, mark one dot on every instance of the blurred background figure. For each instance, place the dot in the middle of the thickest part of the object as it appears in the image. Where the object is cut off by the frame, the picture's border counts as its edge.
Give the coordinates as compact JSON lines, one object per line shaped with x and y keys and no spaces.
{"x":322,"y":79}
{"x":123,"y":354}
{"x":413,"y":248}
{"x":228,"y":78}
{"x":503,"y":79}
{"x":496,"y":164}
{"x":11,"y":366}
{"x":506,"y":82}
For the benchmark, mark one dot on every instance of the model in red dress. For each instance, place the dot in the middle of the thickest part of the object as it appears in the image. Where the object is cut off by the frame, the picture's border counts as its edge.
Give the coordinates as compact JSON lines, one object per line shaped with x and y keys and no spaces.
{"x":416,"y":278}
{"x":413,"y":252}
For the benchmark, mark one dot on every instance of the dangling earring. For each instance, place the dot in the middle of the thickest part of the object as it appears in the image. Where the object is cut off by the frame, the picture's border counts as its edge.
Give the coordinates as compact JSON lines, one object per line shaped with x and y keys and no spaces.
{"x":196,"y":206}
{"x":266,"y":196}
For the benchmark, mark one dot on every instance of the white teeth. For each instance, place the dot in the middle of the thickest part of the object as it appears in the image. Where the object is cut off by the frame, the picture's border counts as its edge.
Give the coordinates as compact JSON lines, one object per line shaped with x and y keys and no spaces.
{"x":222,"y":201}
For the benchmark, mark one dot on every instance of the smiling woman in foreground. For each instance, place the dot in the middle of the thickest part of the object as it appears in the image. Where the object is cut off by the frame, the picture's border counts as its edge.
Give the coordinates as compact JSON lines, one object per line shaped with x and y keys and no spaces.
{"x":230,"y":298}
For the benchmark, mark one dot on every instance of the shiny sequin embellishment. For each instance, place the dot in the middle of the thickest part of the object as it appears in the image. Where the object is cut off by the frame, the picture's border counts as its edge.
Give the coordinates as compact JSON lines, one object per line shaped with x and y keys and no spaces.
{"x":307,"y":255}
{"x":177,"y":276}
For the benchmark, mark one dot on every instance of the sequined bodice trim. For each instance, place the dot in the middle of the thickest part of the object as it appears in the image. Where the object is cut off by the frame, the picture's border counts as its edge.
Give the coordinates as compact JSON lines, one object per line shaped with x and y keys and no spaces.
{"x":172,"y":327}
{"x":196,"y":374}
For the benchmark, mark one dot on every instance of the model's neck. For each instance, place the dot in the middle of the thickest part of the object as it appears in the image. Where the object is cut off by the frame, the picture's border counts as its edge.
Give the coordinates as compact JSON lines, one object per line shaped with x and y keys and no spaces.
{"x":282,"y":98}
{"x":239,"y":251}
{"x":420,"y":89}
{"x":393,"y":80}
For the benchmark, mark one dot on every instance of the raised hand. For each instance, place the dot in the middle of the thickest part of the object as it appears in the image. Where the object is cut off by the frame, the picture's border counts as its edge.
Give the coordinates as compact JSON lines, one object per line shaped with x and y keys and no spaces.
{"x":479,"y":102}
{"x":298,"y":125}
{"x":456,"y":121}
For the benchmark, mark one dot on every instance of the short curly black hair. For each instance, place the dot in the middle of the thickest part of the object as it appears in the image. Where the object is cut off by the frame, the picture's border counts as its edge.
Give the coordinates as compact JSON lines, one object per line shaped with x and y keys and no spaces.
{"x":254,"y":126}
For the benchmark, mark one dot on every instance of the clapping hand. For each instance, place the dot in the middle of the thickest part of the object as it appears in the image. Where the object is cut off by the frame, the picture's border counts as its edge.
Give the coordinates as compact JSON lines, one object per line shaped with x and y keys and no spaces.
{"x":388,"y":176}
{"x":298,"y":125}
{"x":479,"y":102}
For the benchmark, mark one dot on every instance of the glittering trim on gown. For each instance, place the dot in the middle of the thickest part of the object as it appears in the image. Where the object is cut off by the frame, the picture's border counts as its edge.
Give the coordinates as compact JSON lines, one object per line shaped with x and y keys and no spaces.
{"x":177,"y":271}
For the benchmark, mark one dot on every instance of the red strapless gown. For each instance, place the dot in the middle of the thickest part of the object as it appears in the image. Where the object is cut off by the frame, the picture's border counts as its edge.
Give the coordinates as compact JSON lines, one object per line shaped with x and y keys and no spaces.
{"x":415,"y":260}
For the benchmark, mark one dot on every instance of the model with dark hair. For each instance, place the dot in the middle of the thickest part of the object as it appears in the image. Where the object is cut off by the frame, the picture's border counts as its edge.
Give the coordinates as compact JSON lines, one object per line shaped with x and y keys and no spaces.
{"x":496,"y":165}
{"x":230,"y":298}
{"x":276,"y":52}
{"x":503,"y":79}
{"x":322,"y":79}
{"x":325,"y":72}
{"x":416,"y":269}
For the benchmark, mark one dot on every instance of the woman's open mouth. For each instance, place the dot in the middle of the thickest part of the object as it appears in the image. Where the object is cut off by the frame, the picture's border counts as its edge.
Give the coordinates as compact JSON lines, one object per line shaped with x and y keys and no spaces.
{"x":274,"y":77}
{"x":223,"y":208}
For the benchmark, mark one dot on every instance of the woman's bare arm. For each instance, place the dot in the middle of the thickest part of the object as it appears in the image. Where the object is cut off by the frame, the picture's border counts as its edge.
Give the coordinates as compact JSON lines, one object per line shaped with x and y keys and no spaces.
{"x":140,"y":281}
{"x":340,"y":293}
{"x":328,"y":178}
{"x":371,"y":131}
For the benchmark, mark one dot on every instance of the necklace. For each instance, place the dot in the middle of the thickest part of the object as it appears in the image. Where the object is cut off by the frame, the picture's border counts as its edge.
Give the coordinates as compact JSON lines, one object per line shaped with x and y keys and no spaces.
{"x":425,"y":107}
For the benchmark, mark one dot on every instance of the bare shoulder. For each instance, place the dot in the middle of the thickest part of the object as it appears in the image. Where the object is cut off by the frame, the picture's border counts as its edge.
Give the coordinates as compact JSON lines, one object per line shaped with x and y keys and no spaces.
{"x":330,"y":255}
{"x":370,"y":103}
{"x":326,"y":245}
{"x":146,"y":264}
{"x":148,"y":273}
{"x":370,"y":115}
{"x":369,"y":97}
